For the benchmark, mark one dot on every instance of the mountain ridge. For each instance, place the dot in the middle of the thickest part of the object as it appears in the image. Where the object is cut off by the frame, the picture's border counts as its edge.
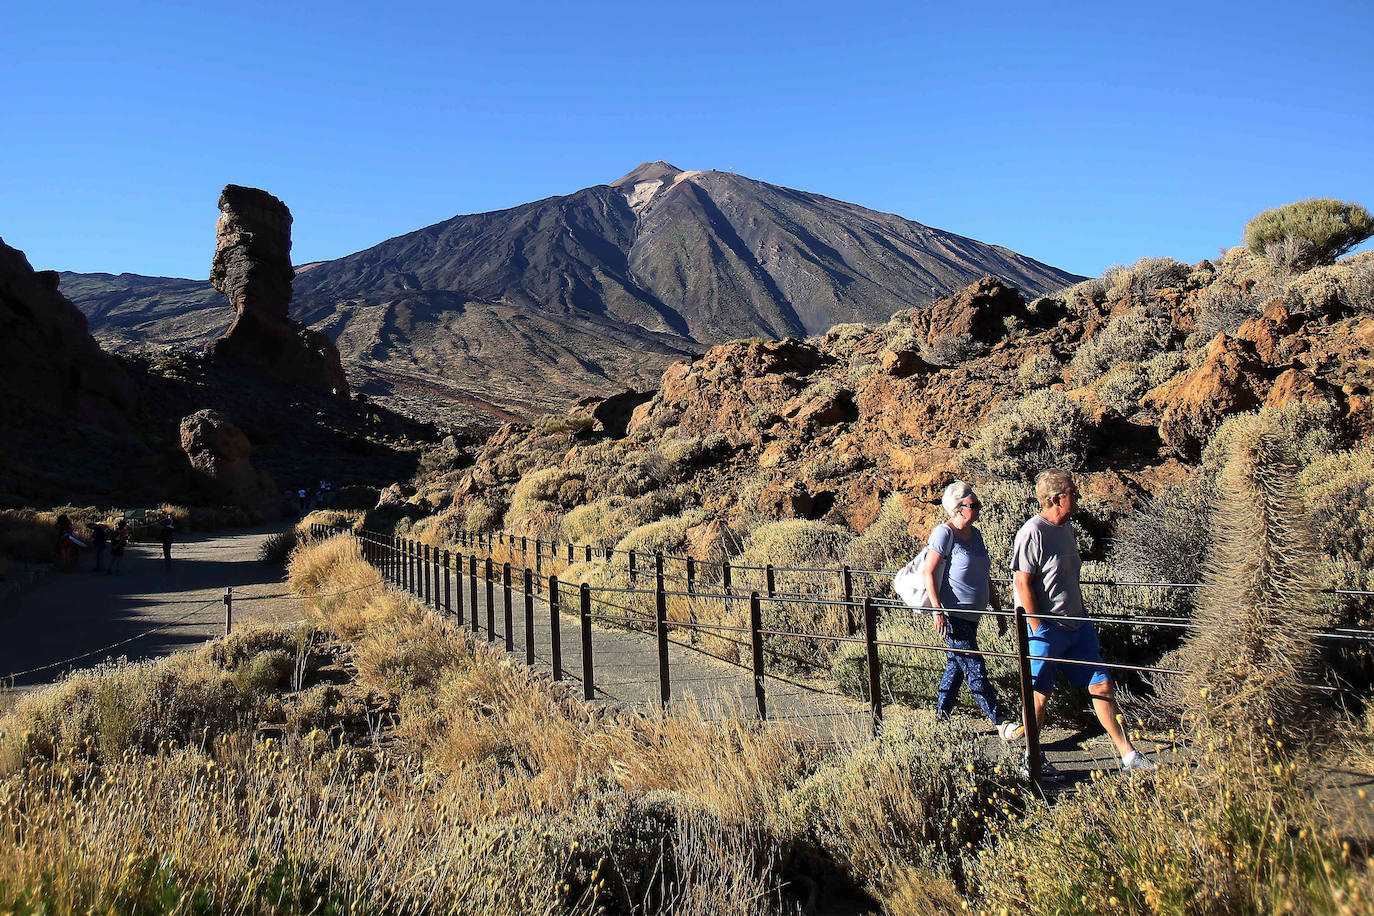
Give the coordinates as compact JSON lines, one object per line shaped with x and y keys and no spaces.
{"x":625,"y":277}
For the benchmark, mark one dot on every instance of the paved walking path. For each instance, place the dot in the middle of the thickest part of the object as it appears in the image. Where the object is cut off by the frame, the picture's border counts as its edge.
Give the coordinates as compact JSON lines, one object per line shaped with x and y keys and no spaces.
{"x":625,"y":672}
{"x":81,"y":618}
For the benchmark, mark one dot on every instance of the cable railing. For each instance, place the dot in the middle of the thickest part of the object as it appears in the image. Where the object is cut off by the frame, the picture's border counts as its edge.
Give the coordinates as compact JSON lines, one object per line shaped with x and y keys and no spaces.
{"x":436,"y":576}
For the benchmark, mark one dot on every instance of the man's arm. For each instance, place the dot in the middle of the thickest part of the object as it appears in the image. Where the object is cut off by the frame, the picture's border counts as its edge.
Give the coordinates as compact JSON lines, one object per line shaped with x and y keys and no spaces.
{"x":1025,"y":596}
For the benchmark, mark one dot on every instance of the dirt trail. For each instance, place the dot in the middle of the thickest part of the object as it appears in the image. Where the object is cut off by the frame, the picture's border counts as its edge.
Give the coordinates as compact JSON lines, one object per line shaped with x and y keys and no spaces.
{"x":79,"y":619}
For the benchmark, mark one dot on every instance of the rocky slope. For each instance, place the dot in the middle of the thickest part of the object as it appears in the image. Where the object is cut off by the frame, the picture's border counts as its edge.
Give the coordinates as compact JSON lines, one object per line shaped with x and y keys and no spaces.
{"x":510,"y":312}
{"x":1125,"y":379}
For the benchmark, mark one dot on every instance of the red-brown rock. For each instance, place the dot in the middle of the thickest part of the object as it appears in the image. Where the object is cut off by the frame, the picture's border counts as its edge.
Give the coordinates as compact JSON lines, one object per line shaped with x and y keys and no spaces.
{"x":785,"y":499}
{"x":979,"y":310}
{"x":252,"y":267}
{"x":219,"y":453}
{"x":1193,"y":404}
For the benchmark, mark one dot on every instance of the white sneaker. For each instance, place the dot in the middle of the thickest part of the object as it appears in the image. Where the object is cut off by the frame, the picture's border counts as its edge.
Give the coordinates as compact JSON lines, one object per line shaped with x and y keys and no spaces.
{"x":1010,"y":730}
{"x":1136,"y":762}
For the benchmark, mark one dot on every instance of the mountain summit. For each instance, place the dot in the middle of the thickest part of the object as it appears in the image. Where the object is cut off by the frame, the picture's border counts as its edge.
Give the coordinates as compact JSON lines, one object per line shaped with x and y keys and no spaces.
{"x":523,"y":310}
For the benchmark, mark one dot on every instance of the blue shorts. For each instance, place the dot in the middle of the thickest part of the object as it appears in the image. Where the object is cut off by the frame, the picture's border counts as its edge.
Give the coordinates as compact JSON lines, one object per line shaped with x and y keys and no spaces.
{"x":1078,"y":645}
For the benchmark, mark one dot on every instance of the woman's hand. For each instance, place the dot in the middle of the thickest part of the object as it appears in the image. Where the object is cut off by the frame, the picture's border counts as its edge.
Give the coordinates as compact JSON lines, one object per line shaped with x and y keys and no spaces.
{"x":941,"y":623}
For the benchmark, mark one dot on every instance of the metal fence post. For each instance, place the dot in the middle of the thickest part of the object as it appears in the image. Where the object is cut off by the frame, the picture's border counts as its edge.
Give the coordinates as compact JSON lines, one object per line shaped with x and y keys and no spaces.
{"x":691,"y":575}
{"x":472,"y":591}
{"x":756,"y":645}
{"x":634,"y":571}
{"x":570,"y":554}
{"x":505,"y":601}
{"x":847,"y":586}
{"x":434,"y":568}
{"x":491,"y":601}
{"x":1028,"y":719}
{"x":770,"y":581}
{"x":588,"y":674}
{"x":555,"y":632}
{"x":529,"y":617}
{"x":448,"y":584}
{"x":725,"y":576}
{"x":228,"y":600}
{"x":588,"y":556}
{"x":661,"y":630}
{"x":538,"y":554}
{"x":458,"y":574}
{"x":875,"y":697}
{"x":426,"y":587}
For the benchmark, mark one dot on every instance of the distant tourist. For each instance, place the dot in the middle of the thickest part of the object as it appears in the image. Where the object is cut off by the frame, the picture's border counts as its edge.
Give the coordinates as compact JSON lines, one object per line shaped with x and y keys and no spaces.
{"x":304,"y":496}
{"x":118,"y":542}
{"x":1045,"y":567}
{"x":100,"y":542}
{"x":67,"y":543}
{"x":165,"y":530}
{"x":958,"y":579}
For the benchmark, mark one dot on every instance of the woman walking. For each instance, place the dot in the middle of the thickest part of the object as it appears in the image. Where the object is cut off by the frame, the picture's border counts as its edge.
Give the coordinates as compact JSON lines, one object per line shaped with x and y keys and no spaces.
{"x":118,"y":542}
{"x":958,"y":579}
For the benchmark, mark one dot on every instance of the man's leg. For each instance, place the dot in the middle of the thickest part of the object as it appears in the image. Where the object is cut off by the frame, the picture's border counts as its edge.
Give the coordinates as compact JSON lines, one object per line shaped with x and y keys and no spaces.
{"x":1109,"y":714}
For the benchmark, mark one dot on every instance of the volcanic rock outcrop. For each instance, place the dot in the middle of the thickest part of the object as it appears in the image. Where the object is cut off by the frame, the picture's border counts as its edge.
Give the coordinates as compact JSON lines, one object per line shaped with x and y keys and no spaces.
{"x":48,"y":355}
{"x":219,"y":454}
{"x":252,"y":267}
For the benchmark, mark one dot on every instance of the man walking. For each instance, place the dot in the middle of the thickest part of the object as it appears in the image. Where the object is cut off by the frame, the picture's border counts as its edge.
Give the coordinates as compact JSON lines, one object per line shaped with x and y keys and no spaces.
{"x":167,"y":529}
{"x":1045,"y":567}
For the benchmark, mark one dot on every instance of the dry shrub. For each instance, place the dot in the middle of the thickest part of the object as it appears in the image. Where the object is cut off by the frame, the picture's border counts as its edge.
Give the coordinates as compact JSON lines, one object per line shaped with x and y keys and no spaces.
{"x":1039,"y":370}
{"x":920,"y":797}
{"x":1131,"y":337}
{"x":1220,"y":837}
{"x":606,"y":521}
{"x":252,"y":829}
{"x":667,"y":535}
{"x":1245,"y":674}
{"x":1121,"y":389}
{"x":951,"y":349}
{"x":1222,"y":309}
{"x":1146,"y":277}
{"x":329,"y":518}
{"x":484,"y":514}
{"x":803,"y":544}
{"x":343,"y":591}
{"x":1043,"y":429}
{"x":411,"y":652}
{"x":103,"y":711}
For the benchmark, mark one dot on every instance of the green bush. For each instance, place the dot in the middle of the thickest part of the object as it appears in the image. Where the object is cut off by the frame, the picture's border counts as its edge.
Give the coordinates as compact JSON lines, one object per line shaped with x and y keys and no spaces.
{"x":1309,"y":232}
{"x":1041,"y":430}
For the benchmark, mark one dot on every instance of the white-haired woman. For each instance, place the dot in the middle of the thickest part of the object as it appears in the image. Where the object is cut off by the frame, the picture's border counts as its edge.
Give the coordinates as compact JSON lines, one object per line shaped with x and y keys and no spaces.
{"x":958,"y":579}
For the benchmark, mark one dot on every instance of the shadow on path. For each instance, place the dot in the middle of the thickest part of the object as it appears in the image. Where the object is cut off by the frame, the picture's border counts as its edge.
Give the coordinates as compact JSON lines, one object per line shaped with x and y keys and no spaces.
{"x":82,"y":618}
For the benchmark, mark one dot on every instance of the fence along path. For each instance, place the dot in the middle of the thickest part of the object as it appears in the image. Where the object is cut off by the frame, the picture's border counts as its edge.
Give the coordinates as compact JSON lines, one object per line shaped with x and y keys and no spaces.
{"x":428,"y":573}
{"x":542,"y":623}
{"x":653,"y":662}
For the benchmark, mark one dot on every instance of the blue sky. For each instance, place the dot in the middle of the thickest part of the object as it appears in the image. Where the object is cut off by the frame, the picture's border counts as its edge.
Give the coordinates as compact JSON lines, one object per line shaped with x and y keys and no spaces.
{"x":1080,"y":134}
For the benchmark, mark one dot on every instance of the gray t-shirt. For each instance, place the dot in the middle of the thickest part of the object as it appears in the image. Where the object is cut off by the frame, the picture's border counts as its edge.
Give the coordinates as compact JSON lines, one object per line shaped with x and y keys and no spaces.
{"x":1049,"y":553}
{"x":963,"y":578}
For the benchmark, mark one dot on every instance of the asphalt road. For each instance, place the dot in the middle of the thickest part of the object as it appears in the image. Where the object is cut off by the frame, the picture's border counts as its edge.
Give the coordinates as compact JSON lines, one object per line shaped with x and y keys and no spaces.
{"x":82,"y":618}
